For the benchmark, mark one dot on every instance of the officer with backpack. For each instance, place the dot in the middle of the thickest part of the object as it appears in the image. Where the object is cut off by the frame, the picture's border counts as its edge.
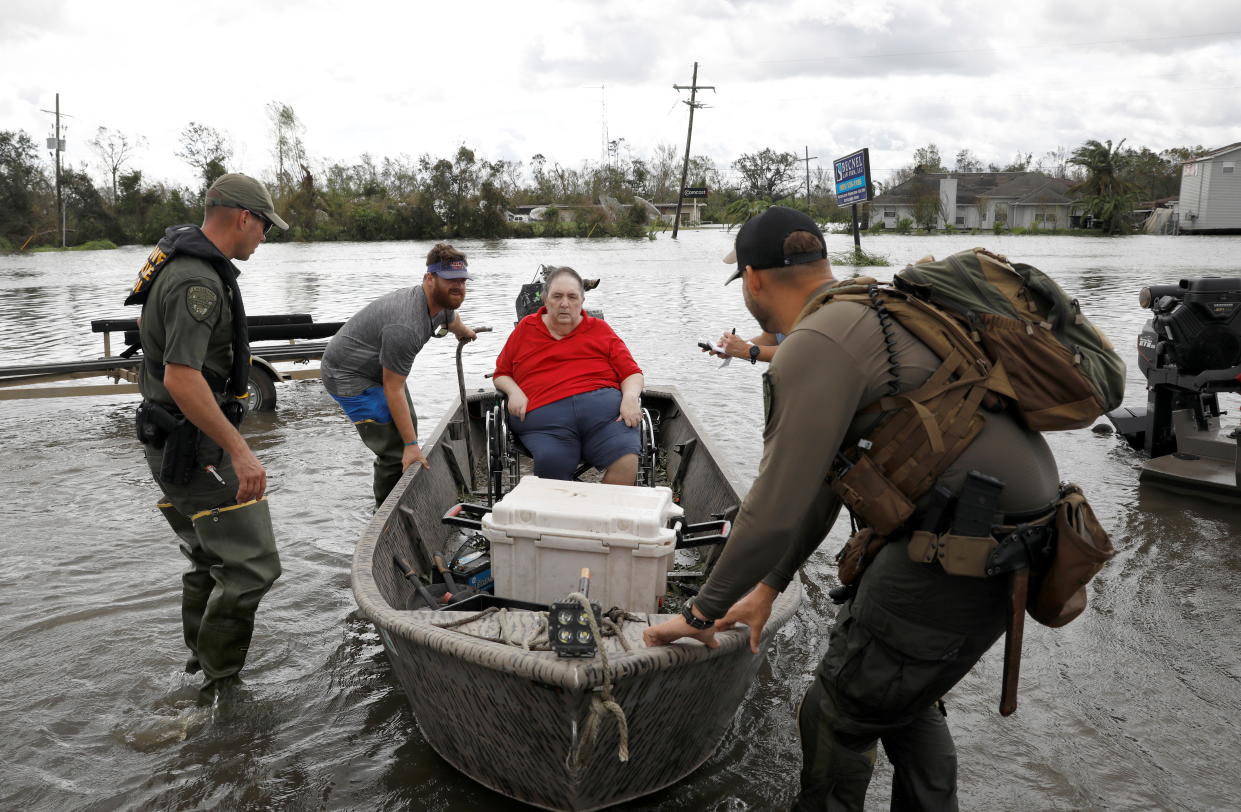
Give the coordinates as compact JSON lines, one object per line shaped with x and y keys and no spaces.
{"x":934,"y":490}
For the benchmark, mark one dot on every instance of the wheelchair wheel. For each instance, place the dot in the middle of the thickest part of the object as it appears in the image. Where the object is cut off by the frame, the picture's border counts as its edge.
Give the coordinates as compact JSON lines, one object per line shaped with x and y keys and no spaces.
{"x":649,"y":454}
{"x":495,"y":454}
{"x":503,"y":465}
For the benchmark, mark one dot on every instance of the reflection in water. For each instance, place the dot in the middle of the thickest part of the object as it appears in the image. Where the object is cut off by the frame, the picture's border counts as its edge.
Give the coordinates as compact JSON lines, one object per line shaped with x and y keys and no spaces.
{"x":1132,"y":706}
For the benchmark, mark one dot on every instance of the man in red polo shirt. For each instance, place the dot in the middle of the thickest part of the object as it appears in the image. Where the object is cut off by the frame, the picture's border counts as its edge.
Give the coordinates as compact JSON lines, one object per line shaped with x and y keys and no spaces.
{"x":573,"y":388}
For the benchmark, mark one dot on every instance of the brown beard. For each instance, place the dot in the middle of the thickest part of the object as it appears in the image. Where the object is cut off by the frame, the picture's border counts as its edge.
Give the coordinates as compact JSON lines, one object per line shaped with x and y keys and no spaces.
{"x":759,"y":313}
{"x":442,"y":298}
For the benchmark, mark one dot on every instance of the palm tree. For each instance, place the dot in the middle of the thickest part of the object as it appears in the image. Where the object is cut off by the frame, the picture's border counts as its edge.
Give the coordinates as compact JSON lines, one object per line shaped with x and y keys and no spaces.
{"x":743,"y":209}
{"x":1108,"y":196}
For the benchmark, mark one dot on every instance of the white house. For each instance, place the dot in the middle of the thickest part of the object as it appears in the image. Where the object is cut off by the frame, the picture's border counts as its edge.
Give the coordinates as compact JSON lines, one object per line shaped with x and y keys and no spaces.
{"x":1210,"y":201}
{"x":978,"y":200}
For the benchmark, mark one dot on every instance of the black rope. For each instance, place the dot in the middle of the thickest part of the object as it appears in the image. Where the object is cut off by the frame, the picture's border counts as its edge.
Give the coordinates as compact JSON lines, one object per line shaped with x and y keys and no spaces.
{"x":889,"y":338}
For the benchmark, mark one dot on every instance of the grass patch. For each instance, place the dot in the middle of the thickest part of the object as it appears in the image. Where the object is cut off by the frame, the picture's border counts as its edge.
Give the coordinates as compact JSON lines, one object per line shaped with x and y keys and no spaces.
{"x":860,"y":258}
{"x":90,"y":245}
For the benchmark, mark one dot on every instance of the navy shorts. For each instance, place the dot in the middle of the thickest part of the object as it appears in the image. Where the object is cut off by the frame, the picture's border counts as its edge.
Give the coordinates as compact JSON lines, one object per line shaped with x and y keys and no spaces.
{"x":565,"y":432}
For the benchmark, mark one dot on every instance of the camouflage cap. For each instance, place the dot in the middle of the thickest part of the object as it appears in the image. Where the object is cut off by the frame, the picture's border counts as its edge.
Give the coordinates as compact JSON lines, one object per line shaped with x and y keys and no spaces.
{"x":238,"y":191}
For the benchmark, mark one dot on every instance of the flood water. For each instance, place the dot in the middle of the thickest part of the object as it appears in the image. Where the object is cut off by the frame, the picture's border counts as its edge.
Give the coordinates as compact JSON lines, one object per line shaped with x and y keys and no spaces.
{"x":1134,"y":706}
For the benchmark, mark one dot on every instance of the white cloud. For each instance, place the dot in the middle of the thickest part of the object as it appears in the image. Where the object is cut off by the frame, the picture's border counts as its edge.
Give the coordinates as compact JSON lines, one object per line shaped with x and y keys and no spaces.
{"x":511,"y":79}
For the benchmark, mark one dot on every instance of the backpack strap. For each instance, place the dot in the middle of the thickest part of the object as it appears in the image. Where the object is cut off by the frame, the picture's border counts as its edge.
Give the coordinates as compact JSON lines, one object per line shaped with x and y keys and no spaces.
{"x":920,"y":432}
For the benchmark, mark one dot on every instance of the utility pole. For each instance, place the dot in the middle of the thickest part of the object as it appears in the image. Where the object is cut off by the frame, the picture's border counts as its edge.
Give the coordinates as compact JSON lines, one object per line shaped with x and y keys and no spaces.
{"x":58,"y":145}
{"x":603,"y":116}
{"x":807,"y":160}
{"x":693,"y":103}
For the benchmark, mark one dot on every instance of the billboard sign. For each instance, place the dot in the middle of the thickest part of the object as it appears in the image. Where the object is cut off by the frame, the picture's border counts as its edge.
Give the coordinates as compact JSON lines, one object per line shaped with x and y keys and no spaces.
{"x":853,"y":178}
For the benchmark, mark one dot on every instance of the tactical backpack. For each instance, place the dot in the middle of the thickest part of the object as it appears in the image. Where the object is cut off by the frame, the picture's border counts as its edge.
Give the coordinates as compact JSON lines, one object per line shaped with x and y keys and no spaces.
{"x":1008,"y":339}
{"x":1063,"y":370}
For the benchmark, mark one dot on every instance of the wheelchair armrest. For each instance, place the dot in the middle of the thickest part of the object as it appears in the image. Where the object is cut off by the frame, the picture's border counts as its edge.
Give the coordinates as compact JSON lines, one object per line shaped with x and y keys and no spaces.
{"x":466,"y":514}
{"x":703,"y":533}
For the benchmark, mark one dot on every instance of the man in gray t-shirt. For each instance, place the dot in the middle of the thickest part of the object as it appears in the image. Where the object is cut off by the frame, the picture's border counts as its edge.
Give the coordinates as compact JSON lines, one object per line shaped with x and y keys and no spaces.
{"x":367,"y":362}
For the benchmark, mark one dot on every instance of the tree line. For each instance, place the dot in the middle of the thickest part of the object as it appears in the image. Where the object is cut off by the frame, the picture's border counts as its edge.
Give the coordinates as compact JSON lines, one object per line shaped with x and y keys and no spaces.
{"x":466,"y":194}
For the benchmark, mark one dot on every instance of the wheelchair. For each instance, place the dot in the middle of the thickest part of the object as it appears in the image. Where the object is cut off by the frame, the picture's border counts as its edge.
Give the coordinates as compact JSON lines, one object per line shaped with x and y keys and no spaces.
{"x":505,"y":452}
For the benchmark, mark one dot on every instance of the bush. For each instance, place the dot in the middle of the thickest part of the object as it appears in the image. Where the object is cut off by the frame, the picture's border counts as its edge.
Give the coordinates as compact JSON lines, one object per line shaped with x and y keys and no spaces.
{"x":5,"y":245}
{"x":904,"y":225}
{"x":999,"y":228}
{"x":859,"y":258}
{"x":95,"y":245}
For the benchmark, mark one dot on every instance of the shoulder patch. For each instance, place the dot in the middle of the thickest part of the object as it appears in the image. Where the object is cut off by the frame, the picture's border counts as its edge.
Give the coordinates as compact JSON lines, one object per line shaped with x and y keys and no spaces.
{"x":200,"y":301}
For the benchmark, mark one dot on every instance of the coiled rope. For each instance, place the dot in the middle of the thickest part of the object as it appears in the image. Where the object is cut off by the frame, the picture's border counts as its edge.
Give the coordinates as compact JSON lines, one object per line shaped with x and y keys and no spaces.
{"x":601,"y":703}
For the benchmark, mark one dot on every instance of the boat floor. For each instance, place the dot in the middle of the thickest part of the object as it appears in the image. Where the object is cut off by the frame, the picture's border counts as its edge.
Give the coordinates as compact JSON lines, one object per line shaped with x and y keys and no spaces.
{"x":514,"y":627}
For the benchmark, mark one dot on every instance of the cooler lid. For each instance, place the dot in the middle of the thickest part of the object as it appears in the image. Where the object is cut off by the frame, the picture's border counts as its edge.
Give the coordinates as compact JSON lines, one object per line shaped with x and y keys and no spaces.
{"x":537,"y":506}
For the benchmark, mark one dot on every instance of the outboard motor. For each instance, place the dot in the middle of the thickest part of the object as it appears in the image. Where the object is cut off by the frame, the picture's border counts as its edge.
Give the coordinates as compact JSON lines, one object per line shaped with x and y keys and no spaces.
{"x":1189,"y":351}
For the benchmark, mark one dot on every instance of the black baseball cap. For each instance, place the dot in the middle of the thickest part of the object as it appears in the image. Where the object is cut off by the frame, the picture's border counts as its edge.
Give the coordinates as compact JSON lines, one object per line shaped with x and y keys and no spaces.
{"x":760,"y":242}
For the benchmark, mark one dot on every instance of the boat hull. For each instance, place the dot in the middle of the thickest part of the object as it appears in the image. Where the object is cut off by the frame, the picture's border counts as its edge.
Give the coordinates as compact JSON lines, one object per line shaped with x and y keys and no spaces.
{"x":518,"y":721}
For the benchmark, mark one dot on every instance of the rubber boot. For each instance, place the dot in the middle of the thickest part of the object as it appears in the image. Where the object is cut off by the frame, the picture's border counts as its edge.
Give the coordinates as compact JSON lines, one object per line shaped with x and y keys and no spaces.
{"x":385,"y":442}
{"x":196,"y":582}
{"x":240,"y":537}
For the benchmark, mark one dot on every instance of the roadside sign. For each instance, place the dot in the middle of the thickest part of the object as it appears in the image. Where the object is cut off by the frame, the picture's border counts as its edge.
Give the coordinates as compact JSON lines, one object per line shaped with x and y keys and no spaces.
{"x":853,"y":178}
{"x":696,"y":191}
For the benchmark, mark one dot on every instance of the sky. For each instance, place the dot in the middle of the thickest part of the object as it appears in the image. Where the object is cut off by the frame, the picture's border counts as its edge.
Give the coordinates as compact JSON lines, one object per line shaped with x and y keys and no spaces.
{"x":512,"y":79}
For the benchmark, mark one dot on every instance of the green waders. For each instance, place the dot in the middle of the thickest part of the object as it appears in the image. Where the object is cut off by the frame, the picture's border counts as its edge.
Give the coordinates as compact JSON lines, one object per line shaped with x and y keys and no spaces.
{"x":196,"y":582}
{"x":386,"y":444}
{"x":240,"y":538}
{"x":231,"y":549}
{"x":911,"y":633}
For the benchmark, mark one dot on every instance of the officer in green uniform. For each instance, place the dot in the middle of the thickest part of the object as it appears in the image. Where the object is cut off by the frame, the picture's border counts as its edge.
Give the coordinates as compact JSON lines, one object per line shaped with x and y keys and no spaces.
{"x":194,"y":375}
{"x":911,"y":631}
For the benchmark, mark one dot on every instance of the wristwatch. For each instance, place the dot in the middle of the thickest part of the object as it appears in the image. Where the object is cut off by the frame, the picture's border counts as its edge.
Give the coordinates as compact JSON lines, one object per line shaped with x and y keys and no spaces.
{"x":687,"y":612}
{"x":754,"y":350}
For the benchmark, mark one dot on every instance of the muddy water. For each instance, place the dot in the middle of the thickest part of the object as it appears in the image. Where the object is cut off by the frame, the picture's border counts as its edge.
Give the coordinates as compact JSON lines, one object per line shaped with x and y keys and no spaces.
{"x":1134,"y":706}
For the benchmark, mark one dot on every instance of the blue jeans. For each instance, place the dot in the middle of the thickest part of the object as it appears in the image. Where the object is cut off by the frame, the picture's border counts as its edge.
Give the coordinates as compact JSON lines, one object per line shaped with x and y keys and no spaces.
{"x":561,"y":434}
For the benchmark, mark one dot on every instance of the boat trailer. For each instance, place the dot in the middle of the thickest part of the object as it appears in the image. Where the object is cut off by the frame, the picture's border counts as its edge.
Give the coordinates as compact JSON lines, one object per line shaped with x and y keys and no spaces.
{"x":298,"y":330}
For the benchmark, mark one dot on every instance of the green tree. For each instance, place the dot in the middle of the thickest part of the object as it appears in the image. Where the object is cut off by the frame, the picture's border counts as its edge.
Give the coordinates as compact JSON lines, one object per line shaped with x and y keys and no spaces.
{"x":1020,"y":163}
{"x":287,"y":148}
{"x":24,"y":189}
{"x":927,"y":209}
{"x":87,"y":215}
{"x":767,"y":174}
{"x":205,"y":149}
{"x":927,"y":159}
{"x":966,"y":161}
{"x":115,"y":149}
{"x":743,"y":209}
{"x":1107,"y":195}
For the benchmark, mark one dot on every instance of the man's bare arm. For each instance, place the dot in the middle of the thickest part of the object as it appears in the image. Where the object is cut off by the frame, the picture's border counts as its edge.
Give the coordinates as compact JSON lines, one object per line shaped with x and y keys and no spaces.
{"x":516,"y":398}
{"x":458,"y":328}
{"x":631,"y":404}
{"x":394,"y":393}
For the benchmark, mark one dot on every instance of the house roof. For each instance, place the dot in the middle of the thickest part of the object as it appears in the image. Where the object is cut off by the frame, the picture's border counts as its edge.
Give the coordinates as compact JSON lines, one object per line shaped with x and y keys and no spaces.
{"x":1053,"y":192}
{"x":1215,"y":153}
{"x":1032,"y":188}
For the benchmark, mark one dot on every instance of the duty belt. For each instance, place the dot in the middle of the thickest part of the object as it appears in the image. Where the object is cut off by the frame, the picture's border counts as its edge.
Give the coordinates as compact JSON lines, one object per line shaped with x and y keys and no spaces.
{"x":1025,"y":541}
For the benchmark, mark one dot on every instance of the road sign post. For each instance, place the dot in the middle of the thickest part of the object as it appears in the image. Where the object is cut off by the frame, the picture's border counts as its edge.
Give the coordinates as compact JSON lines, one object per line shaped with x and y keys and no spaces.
{"x":853,"y":186}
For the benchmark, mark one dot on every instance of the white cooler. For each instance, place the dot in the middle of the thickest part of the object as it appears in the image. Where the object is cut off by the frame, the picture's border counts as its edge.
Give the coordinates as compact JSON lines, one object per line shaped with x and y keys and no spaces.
{"x":544,"y":531}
